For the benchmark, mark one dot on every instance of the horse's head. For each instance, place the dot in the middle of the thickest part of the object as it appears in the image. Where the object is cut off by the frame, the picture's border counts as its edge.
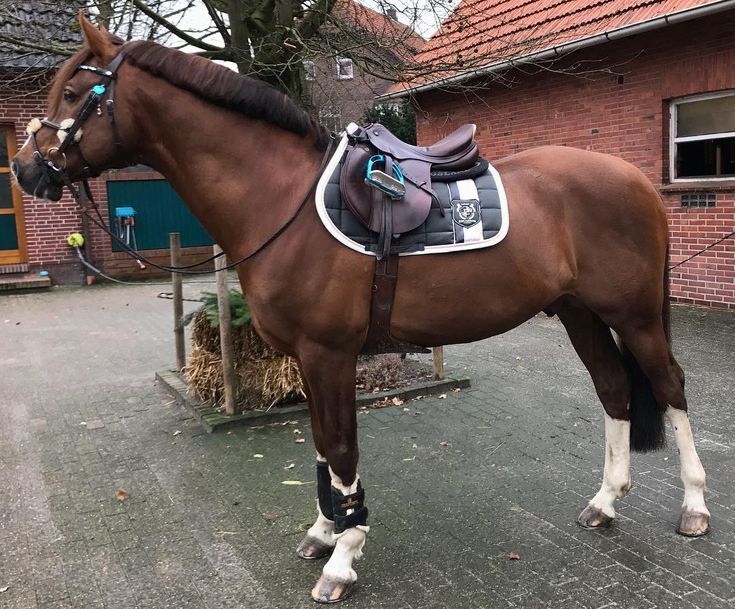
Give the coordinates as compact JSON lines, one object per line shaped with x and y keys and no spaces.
{"x":79,"y":136}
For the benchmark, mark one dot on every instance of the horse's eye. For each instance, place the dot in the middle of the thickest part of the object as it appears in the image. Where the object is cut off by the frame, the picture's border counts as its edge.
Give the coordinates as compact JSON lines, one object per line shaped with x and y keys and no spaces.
{"x":69,"y":96}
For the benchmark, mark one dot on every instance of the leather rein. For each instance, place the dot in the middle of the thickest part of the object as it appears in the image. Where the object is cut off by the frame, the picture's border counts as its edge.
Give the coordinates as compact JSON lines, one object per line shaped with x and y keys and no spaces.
{"x":72,"y":135}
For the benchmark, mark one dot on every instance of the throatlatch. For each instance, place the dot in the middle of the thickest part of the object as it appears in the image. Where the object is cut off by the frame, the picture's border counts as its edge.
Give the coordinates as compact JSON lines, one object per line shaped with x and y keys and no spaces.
{"x":341,"y":504}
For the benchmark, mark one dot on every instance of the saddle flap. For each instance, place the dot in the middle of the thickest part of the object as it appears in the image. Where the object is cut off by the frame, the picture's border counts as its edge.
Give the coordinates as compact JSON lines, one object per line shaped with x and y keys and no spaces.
{"x":367,"y":202}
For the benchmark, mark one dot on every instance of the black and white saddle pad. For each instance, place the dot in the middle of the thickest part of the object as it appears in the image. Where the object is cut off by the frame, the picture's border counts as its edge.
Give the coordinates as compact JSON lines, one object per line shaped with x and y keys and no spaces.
{"x":475,"y":215}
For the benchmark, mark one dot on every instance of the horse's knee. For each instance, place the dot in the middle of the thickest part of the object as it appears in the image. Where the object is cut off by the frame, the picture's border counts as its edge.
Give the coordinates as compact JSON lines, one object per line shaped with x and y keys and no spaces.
{"x":342,"y":459}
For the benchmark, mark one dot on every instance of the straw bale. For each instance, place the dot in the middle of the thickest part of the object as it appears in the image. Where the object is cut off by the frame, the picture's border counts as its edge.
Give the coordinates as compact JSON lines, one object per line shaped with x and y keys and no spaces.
{"x":264,"y":376}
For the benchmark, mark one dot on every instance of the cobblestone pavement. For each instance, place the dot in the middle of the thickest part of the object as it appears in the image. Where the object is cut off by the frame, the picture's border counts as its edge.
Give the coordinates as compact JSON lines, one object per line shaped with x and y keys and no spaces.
{"x":209,"y":525}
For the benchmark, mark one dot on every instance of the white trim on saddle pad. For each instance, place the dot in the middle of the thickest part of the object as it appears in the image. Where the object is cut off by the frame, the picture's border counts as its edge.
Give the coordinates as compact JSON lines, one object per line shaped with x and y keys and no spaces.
{"x":466,"y":188}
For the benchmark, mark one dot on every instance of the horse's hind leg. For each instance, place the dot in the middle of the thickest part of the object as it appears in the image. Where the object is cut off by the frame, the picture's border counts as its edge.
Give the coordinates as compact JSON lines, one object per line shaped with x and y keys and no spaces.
{"x":650,"y":347}
{"x":595,"y":346}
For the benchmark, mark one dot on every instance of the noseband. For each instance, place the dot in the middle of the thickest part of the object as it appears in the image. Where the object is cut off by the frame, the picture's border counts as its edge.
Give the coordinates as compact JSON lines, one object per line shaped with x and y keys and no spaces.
{"x":69,"y":130}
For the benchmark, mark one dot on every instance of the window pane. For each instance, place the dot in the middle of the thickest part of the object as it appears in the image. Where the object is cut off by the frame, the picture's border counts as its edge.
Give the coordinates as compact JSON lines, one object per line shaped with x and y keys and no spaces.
{"x":3,"y":151}
{"x":706,"y":117}
{"x":6,"y":194}
{"x":8,"y":236}
{"x":706,"y":158}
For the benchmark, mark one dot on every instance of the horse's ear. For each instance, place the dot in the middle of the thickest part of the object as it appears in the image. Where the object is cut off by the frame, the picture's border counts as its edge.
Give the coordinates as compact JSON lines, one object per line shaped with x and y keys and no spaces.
{"x":97,"y":39}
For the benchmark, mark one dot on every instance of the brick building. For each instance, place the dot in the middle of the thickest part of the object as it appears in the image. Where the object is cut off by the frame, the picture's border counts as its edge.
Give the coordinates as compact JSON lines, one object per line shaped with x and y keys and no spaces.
{"x":651,"y":82}
{"x":340,"y":89}
{"x":33,"y":231}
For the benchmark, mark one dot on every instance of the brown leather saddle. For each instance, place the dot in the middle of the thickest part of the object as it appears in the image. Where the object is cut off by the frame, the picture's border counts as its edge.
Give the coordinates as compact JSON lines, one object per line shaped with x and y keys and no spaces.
{"x":388,"y":215}
{"x":455,"y":157}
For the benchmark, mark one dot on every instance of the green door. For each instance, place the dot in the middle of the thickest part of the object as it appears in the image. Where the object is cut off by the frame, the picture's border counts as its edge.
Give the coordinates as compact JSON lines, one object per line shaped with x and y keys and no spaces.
{"x":158,"y":212}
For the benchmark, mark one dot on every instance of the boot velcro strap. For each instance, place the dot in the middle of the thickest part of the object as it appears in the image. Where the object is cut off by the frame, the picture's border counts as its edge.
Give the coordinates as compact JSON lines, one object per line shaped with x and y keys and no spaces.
{"x":324,"y":489}
{"x":342,"y":503}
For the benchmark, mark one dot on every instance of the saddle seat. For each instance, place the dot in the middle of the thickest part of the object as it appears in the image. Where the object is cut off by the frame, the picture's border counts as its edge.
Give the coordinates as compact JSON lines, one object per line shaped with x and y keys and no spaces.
{"x":458,"y":150}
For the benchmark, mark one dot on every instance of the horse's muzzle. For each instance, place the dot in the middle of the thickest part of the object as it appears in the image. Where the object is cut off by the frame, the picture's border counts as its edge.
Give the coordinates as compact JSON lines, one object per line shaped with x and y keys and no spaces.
{"x":34,"y":180}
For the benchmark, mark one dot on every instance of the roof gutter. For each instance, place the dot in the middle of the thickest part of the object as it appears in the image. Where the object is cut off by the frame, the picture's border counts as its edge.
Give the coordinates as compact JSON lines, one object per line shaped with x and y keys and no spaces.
{"x":629,"y":30}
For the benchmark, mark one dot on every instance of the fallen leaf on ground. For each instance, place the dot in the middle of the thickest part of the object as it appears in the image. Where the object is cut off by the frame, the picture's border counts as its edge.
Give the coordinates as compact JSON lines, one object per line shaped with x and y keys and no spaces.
{"x":406,"y":410}
{"x":177,"y":432}
{"x":289,"y":466}
{"x":297,"y":432}
{"x":384,"y":403}
{"x":514,"y":556}
{"x":121,"y":495}
{"x":271,"y":516}
{"x":4,"y":588}
{"x":397,"y":401}
{"x":457,"y":390}
{"x":410,"y":458}
{"x":257,"y":456}
{"x":293,"y":482}
{"x":443,"y":443}
{"x":299,"y":441}
{"x":443,"y":396}
{"x":83,"y":423}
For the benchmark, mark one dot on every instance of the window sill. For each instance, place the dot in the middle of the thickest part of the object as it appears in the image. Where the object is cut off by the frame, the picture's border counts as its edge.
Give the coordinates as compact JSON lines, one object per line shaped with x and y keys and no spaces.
{"x":699,"y":185}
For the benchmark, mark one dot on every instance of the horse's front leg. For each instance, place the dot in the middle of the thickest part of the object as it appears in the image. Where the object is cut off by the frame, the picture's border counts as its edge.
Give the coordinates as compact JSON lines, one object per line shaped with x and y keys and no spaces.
{"x":342,"y":522}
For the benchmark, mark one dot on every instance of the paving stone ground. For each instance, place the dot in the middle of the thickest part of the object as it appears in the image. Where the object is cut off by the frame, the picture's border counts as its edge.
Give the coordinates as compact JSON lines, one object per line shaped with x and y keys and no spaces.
{"x":207,"y":525}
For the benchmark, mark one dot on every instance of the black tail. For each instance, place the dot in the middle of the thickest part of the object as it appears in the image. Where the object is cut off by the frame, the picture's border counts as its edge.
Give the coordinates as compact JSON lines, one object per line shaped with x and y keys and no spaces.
{"x":647,"y":428}
{"x":647,"y":431}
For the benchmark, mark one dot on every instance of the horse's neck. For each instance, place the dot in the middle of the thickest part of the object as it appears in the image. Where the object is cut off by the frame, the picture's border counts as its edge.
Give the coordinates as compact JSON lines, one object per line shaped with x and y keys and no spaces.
{"x":242,"y":178}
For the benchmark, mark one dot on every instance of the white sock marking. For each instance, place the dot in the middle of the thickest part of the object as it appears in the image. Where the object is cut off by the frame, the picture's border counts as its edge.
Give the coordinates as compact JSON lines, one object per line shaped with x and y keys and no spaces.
{"x":692,"y":472}
{"x":616,"y":476}
{"x":349,"y":543}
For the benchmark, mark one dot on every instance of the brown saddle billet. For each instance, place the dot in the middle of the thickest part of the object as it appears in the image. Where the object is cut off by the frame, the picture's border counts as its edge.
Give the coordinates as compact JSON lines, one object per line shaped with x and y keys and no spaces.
{"x":390,"y":216}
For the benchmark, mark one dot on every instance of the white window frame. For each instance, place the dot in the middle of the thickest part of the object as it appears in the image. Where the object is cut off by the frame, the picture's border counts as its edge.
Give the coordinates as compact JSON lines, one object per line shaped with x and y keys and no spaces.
{"x":673,"y":140}
{"x":348,"y":62}
{"x":309,"y":75}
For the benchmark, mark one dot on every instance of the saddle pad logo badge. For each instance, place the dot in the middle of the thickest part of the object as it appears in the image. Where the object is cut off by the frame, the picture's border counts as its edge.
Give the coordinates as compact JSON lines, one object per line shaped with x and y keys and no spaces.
{"x":466,"y":213}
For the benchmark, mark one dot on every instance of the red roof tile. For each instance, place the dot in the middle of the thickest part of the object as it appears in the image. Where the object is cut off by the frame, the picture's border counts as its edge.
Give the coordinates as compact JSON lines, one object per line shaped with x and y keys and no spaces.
{"x":481,"y":33}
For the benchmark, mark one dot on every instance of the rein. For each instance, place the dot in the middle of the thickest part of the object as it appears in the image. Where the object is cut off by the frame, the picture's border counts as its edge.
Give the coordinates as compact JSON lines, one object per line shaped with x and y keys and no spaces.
{"x":72,"y":133}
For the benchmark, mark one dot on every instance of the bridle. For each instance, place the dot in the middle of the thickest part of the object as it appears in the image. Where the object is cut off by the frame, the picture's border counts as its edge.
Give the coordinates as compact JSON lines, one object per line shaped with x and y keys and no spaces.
{"x":69,"y":131}
{"x":72,"y":134}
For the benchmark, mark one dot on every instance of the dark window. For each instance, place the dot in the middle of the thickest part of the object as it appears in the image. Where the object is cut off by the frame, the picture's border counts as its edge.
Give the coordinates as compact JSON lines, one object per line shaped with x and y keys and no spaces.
{"x":703,"y":137}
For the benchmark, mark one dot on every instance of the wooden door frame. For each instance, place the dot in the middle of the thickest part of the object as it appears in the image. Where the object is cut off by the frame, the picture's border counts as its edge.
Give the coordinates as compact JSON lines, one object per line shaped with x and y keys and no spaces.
{"x":19,"y":256}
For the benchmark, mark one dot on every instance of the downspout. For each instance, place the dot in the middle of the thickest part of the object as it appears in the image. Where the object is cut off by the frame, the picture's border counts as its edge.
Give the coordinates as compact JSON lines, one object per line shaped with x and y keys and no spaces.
{"x":564,"y":49}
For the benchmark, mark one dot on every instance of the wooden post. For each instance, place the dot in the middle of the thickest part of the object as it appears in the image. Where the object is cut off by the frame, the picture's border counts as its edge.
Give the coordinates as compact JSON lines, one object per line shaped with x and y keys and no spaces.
{"x":438,"y":354}
{"x":225,"y":331}
{"x":178,"y":298}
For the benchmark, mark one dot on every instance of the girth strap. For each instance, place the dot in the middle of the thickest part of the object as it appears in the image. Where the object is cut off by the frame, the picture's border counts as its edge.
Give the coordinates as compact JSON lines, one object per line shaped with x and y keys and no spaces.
{"x":379,"y":339}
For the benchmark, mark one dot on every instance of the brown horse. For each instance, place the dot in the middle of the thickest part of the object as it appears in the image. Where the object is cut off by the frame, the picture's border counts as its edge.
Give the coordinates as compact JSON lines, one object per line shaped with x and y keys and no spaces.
{"x":587,"y":242}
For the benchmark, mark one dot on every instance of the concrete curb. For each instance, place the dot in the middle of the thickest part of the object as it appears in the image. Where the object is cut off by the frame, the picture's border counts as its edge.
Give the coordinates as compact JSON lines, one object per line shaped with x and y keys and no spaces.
{"x":213,"y":419}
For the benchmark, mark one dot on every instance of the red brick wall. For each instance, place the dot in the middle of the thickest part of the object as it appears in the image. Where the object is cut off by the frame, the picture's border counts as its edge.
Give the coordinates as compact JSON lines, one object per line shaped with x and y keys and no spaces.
{"x":628,"y":119}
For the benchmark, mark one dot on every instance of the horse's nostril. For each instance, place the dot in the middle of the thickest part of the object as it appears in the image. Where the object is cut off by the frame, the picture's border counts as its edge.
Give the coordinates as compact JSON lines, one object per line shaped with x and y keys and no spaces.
{"x":15,"y":168}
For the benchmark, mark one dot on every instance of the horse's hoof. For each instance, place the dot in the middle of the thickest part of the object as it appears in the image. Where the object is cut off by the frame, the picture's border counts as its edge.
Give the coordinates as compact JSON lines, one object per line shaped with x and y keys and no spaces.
{"x":311,"y":548}
{"x":592,"y":518}
{"x":693,"y":524}
{"x":329,"y":590}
